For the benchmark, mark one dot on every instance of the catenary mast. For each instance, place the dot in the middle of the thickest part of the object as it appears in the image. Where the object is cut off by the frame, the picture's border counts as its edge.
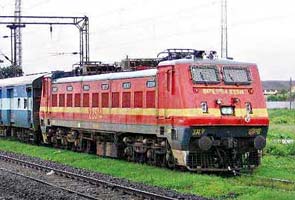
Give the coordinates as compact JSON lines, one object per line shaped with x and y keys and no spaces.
{"x":224,"y":44}
{"x":18,"y":34}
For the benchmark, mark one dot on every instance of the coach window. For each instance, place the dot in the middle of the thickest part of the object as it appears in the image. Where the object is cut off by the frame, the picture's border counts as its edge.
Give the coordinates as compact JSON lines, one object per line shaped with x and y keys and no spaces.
{"x":18,"y":103}
{"x":0,"y":101}
{"x":105,"y":100}
{"x":69,"y":100}
{"x":151,"y":84}
{"x":115,"y":100}
{"x":104,"y":86}
{"x":95,"y":101}
{"x":150,"y":99}
{"x":86,"y":87}
{"x":77,"y":100}
{"x":61,"y":100}
{"x":69,"y":88}
{"x":86,"y":100}
{"x":126,"y":85}
{"x":31,"y":104}
{"x":25,"y":103}
{"x":126,"y":100}
{"x":54,"y":89}
{"x":138,"y":97}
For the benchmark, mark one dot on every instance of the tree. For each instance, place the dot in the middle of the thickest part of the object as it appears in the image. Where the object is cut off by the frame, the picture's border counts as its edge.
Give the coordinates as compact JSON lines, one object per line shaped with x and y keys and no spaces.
{"x":10,"y":71}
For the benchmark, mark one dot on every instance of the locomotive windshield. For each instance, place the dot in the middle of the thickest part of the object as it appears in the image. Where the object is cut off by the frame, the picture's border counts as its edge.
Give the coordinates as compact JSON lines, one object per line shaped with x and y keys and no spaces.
{"x":236,"y":75}
{"x":205,"y":74}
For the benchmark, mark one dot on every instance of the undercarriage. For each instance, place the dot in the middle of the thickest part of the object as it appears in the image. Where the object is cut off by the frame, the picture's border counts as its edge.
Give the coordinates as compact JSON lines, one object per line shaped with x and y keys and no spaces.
{"x":224,"y":154}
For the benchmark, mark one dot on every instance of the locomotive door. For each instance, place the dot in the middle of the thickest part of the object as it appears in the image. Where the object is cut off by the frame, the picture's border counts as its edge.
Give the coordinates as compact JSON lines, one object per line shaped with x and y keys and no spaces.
{"x":10,"y":113}
{"x":165,"y":97}
{"x":28,"y":104}
{"x":0,"y":106}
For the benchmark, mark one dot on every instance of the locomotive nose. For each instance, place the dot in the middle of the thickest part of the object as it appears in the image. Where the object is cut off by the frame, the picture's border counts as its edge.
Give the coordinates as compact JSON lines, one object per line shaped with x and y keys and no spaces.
{"x":259,"y":142}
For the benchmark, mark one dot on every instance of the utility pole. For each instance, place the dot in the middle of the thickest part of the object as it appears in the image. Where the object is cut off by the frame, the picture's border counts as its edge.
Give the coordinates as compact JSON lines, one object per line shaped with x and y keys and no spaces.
{"x":18,"y":34}
{"x":224,"y":46}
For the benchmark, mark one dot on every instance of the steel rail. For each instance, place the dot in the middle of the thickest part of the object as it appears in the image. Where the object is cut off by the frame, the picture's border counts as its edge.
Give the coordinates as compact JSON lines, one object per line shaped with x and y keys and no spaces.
{"x":49,"y":184}
{"x":285,"y":181}
{"x":91,"y":180}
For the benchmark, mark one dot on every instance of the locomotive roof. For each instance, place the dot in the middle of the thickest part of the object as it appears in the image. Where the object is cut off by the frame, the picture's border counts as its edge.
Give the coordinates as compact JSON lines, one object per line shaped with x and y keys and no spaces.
{"x":21,"y":80}
{"x":203,"y":61}
{"x":109,"y":76}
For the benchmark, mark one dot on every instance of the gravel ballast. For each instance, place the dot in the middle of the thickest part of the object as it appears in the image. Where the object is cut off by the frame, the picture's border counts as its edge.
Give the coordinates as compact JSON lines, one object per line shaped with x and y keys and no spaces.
{"x":13,"y":187}
{"x":104,"y":177}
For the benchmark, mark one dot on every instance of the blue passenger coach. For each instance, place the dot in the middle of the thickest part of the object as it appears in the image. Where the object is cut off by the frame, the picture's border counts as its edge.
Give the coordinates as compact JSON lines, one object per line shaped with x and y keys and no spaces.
{"x":19,"y":105}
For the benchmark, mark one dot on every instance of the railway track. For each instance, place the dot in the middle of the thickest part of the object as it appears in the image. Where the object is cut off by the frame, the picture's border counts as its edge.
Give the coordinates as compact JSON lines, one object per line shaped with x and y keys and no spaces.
{"x":49,"y":184}
{"x":93,"y":181}
{"x":271,"y":182}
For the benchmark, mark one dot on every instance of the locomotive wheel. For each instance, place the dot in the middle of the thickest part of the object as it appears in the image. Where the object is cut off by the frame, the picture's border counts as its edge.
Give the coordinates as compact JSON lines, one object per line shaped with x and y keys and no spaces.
{"x":150,"y":154}
{"x":170,"y":160}
{"x":129,"y":153}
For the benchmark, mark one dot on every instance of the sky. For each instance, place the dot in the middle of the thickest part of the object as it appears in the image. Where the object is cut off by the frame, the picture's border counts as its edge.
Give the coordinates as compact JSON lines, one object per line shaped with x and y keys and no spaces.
{"x":261,"y":31}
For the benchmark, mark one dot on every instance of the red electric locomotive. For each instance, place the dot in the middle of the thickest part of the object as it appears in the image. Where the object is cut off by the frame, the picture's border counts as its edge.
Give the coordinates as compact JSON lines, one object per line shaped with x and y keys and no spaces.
{"x":193,"y":110}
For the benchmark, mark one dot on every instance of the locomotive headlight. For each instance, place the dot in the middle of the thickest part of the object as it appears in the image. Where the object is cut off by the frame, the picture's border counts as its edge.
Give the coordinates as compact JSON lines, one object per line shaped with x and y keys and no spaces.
{"x":227,"y":110}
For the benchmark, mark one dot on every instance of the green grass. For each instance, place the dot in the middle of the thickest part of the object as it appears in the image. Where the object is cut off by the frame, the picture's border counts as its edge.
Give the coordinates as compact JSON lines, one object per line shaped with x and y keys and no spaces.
{"x":282,"y":127}
{"x":200,"y":184}
{"x":278,"y":131}
{"x":277,"y":148}
{"x":282,"y":116}
{"x":277,"y":162}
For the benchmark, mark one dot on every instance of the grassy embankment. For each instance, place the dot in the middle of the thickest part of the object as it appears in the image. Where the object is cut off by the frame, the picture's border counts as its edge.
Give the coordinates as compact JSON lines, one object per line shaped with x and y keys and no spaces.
{"x":278,"y":162}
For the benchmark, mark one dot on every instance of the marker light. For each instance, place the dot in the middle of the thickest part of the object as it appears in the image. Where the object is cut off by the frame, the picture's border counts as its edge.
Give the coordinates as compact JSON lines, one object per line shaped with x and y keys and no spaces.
{"x":251,"y":91}
{"x":249,"y":109}
{"x":236,"y":100}
{"x":219,"y":101}
{"x":204,"y":107}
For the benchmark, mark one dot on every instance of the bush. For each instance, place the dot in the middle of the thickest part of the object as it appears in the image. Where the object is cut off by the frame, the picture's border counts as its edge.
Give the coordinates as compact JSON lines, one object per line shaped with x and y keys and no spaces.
{"x":282,"y":116}
{"x":278,"y":149}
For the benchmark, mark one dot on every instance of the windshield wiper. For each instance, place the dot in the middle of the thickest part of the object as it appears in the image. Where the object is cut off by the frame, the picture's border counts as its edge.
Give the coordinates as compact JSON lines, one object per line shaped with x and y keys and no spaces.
{"x":231,"y":77}
{"x":202,"y":76}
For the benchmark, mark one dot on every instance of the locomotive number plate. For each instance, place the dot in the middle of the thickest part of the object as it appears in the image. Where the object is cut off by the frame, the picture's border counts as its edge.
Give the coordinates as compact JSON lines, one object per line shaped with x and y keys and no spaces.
{"x":254,"y":131}
{"x":198,"y":131}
